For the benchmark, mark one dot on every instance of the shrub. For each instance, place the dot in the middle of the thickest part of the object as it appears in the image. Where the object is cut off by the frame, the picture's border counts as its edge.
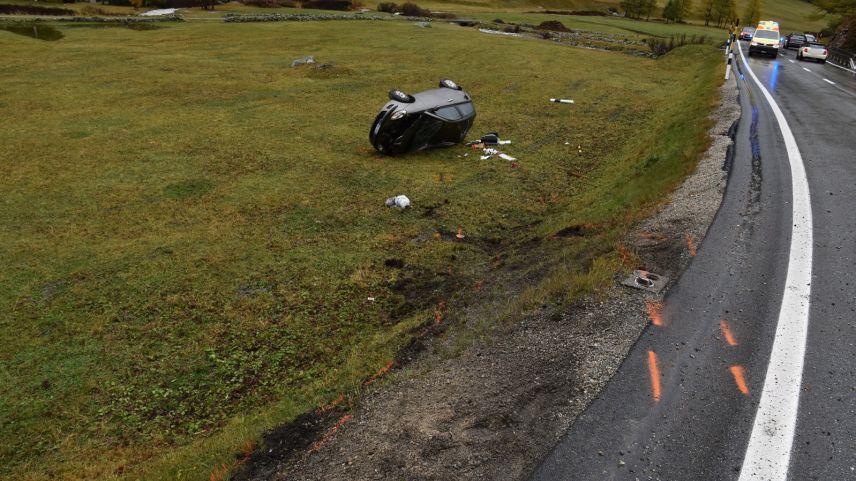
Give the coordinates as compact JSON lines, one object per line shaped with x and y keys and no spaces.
{"x":33,"y":10}
{"x":553,"y":25}
{"x":269,"y":3}
{"x":328,"y":4}
{"x":412,"y":10}
{"x":387,"y":7}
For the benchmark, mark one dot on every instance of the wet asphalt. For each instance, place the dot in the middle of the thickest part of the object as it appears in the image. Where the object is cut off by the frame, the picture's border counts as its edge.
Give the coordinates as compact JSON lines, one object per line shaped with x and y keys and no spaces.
{"x":710,"y":354}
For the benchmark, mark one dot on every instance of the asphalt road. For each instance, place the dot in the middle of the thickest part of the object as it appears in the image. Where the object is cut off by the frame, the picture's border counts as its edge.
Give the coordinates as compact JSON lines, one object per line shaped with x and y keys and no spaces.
{"x":683,"y":403}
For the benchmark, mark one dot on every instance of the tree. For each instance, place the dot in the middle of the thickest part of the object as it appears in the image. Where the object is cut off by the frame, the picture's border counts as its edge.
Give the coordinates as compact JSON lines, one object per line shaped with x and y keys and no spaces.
{"x":670,"y":11}
{"x":677,"y":10}
{"x":753,"y":12}
{"x":707,"y":11}
{"x":647,"y":8}
{"x":632,"y":8}
{"x":724,"y":11}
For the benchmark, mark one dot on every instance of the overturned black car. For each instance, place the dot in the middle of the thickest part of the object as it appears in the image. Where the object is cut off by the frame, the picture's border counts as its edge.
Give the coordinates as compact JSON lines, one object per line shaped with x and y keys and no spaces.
{"x":434,"y":118}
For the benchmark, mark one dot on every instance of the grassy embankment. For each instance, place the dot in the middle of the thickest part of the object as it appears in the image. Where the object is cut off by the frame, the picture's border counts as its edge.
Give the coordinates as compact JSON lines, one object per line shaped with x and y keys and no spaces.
{"x":191,"y":229}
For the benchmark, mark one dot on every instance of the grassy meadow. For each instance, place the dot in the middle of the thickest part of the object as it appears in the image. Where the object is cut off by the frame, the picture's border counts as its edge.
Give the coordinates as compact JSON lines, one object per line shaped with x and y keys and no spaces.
{"x":192,"y":229}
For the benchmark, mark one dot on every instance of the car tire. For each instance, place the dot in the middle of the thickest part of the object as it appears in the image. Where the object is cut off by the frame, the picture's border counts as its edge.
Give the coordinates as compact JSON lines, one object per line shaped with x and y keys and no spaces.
{"x":822,"y":61}
{"x":449,"y":84}
{"x":400,"y":96}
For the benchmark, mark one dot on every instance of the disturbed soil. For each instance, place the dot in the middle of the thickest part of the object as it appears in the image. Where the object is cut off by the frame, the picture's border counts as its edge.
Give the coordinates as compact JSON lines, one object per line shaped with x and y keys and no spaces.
{"x":495,"y":409}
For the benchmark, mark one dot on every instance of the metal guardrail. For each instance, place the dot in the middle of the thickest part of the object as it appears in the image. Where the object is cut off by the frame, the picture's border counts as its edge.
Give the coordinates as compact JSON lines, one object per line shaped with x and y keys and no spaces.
{"x":842,"y":57}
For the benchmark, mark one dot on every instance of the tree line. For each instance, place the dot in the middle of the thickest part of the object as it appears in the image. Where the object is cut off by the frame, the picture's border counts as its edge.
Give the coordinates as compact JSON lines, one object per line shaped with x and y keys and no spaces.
{"x":720,"y":13}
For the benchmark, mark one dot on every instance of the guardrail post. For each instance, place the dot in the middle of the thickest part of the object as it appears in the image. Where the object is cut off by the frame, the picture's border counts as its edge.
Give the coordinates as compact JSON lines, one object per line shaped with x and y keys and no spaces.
{"x":728,"y":65}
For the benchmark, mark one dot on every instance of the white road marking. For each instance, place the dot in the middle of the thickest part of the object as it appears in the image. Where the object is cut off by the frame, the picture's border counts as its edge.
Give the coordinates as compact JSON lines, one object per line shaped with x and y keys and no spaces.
{"x":769,"y":451}
{"x":807,"y":70}
{"x":829,"y":81}
{"x":839,"y":66}
{"x":791,"y":61}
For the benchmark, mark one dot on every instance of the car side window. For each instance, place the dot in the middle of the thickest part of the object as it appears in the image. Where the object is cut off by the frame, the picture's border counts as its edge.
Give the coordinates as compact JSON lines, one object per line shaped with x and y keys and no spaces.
{"x":466,"y":109}
{"x":448,"y":113}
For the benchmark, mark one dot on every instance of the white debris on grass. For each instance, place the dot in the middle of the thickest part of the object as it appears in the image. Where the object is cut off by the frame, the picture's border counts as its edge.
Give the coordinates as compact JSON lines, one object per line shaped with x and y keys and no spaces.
{"x":400,"y":201}
{"x":159,"y":12}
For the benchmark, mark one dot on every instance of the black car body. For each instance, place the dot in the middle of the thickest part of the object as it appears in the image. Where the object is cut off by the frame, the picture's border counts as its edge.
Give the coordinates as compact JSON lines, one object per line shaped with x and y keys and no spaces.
{"x":795,"y":40}
{"x":747,"y":33}
{"x":434,"y":118}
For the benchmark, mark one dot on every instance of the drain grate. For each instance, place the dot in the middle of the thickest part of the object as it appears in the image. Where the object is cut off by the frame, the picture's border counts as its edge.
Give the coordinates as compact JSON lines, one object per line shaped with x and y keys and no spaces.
{"x":647,"y":281}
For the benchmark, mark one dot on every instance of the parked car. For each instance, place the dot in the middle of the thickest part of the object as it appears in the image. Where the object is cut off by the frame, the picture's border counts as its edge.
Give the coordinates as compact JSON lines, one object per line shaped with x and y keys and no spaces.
{"x":795,"y":40}
{"x":439,"y":117}
{"x":813,"y":50}
{"x":747,"y":33}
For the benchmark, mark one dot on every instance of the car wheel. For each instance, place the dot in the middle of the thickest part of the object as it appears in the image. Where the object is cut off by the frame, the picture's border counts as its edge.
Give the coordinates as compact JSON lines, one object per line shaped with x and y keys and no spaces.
{"x":399,"y":96}
{"x":823,"y":61}
{"x":449,"y":84}
{"x":799,"y":56}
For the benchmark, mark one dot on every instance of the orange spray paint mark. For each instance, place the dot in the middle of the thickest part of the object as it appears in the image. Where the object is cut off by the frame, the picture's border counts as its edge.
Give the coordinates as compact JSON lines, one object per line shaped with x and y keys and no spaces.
{"x":329,"y":434}
{"x":739,"y":379}
{"x":329,"y":407}
{"x":379,"y":373}
{"x":438,"y":313}
{"x":691,"y":245}
{"x":726,"y":332}
{"x":654,"y":371}
{"x":655,"y":309}
{"x":219,"y":474}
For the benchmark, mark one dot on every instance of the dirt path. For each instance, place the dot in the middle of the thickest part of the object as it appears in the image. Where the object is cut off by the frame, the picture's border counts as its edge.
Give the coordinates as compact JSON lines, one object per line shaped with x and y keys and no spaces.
{"x":494,"y":411}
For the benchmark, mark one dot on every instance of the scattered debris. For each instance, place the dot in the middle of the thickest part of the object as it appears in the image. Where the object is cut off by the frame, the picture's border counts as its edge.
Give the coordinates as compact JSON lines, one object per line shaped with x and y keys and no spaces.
{"x":562,"y":101}
{"x":400,"y":201}
{"x":460,"y":234}
{"x":303,"y":61}
{"x":423,"y":24}
{"x":647,"y":281}
{"x":506,"y":157}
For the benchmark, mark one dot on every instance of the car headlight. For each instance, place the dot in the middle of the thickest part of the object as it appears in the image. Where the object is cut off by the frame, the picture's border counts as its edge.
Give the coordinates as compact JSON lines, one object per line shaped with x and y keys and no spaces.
{"x":399,"y":114}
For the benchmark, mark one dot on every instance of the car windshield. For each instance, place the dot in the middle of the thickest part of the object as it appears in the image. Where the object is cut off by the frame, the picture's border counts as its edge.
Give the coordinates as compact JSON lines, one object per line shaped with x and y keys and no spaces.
{"x":748,"y":29}
{"x":767,"y":34}
{"x":817,"y":45}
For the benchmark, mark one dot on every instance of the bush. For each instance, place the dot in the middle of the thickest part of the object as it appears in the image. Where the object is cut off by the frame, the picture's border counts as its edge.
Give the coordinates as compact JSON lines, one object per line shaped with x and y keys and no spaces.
{"x":269,"y":3}
{"x":387,"y":7}
{"x":412,"y":10}
{"x":329,"y":4}
{"x":33,"y":10}
{"x":553,"y":25}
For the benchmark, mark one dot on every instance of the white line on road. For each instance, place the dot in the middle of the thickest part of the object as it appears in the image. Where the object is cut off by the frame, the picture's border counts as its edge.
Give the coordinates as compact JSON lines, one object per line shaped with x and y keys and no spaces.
{"x":839,"y":66}
{"x":769,"y":451}
{"x":791,"y":61}
{"x":829,"y":81}
{"x":807,"y":70}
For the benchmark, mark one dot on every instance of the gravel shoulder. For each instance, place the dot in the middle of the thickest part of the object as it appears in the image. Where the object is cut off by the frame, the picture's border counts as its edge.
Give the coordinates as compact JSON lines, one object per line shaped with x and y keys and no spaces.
{"x":494,"y":410}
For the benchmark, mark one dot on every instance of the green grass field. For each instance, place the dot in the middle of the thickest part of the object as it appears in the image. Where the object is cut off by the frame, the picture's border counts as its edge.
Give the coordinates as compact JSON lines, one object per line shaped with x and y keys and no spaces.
{"x":191,"y":228}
